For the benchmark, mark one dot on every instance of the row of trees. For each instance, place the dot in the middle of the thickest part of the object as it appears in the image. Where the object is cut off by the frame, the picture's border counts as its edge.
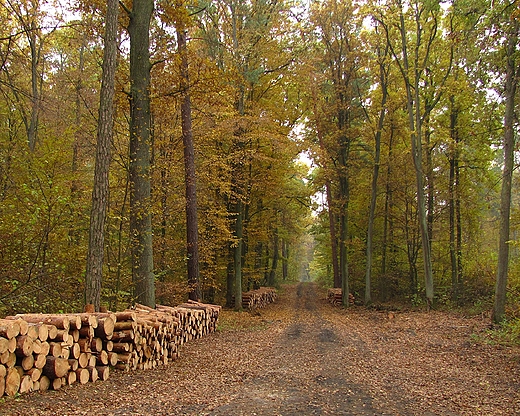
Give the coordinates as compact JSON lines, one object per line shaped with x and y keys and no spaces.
{"x":417,"y":91}
{"x":107,"y":159}
{"x":156,"y":156}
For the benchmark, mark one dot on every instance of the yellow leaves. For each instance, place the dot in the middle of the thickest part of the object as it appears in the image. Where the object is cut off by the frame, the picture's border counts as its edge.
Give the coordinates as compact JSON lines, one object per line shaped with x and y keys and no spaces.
{"x":174,"y":12}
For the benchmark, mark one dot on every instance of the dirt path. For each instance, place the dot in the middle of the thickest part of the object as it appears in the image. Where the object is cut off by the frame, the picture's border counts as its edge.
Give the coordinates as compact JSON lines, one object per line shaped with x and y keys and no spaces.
{"x":306,"y":370}
{"x":302,"y":356}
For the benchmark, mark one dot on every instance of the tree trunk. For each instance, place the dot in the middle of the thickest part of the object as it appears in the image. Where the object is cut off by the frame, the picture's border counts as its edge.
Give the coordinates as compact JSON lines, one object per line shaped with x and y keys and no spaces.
{"x":430,"y":186}
{"x":276,"y":255}
{"x":507,"y":174}
{"x":333,"y":237}
{"x":32,"y":130}
{"x":237,"y":255}
{"x":192,"y":232}
{"x":258,"y":263}
{"x":343,"y":224}
{"x":328,"y":193}
{"x":388,"y":223}
{"x":285,"y":259}
{"x":451,"y":202}
{"x":412,"y":245}
{"x":454,"y":206}
{"x":230,"y":278}
{"x":458,"y":221}
{"x":371,"y":215}
{"x":375,"y":175}
{"x":77,"y":119}
{"x":94,"y":270}
{"x":140,"y":144}
{"x":266,"y":264}
{"x":28,"y":20}
{"x":415,"y":125}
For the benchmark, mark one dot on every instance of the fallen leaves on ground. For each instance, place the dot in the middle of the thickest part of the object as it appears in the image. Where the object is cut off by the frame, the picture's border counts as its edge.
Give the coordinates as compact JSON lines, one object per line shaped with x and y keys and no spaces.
{"x":303,"y":356}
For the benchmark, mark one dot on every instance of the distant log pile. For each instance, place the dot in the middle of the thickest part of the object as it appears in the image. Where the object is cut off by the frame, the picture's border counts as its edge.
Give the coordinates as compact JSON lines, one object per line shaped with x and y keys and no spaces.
{"x":334,"y":296}
{"x":41,"y":352}
{"x":258,"y":298}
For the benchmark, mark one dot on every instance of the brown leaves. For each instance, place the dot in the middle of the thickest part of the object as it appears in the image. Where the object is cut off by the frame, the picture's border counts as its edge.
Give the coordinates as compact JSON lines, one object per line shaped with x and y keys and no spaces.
{"x":301,"y":355}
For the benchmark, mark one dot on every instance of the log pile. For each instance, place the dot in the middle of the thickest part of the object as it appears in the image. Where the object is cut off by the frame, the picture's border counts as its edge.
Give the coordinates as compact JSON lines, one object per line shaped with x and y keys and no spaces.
{"x":41,"y":352}
{"x":334,"y":296}
{"x":258,"y":298}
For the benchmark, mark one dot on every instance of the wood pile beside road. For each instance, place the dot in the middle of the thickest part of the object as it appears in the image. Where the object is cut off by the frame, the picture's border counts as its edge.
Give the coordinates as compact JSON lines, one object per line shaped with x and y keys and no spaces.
{"x":49,"y":351}
{"x":335,"y":296}
{"x":258,"y":298}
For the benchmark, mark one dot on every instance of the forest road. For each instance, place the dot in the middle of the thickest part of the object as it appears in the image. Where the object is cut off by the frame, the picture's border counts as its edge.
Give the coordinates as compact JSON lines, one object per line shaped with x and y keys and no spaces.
{"x":307,"y":369}
{"x":303,"y":356}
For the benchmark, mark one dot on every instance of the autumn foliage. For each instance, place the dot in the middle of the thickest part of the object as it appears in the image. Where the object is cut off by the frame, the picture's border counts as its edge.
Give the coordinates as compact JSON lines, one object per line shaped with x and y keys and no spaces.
{"x":402,"y":165}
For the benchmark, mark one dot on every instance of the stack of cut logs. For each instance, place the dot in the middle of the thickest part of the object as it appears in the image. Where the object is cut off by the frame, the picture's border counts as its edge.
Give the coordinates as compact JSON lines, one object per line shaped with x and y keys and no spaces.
{"x":335,"y":295}
{"x":258,"y":298}
{"x":41,"y":352}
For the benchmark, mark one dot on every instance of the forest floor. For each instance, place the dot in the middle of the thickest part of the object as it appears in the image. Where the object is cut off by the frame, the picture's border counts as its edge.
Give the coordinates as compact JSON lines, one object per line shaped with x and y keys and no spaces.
{"x":303,"y":356}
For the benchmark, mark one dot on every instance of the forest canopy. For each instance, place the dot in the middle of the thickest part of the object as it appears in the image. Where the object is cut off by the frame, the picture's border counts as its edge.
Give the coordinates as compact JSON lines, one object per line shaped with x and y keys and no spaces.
{"x":405,"y":110}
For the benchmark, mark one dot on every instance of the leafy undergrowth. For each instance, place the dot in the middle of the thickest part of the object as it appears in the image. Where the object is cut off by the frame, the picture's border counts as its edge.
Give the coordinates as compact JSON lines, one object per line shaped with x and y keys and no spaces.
{"x":505,"y":335}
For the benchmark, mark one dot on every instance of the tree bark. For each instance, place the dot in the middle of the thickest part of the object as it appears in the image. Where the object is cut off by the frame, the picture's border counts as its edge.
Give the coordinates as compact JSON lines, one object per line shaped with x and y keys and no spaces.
{"x":454,"y":206}
{"x":285,"y":259}
{"x":373,"y":198}
{"x":94,"y":270}
{"x":343,"y":218}
{"x":32,"y":130}
{"x":230,"y":278}
{"x":140,"y":150}
{"x":328,"y":194}
{"x":237,"y":167}
{"x":507,"y":173}
{"x":388,"y":225}
{"x":415,"y":121}
{"x":276,"y":254}
{"x":192,"y":232}
{"x":237,"y":254}
{"x":77,"y":117}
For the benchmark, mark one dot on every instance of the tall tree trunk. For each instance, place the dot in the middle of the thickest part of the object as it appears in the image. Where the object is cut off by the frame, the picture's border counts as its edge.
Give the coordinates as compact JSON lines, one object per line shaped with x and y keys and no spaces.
{"x":388,"y":223}
{"x":333,"y":236}
{"x":343,"y":221}
{"x":96,"y":246}
{"x":258,"y":264}
{"x":507,"y":173}
{"x":328,"y":194}
{"x":27,"y":14}
{"x":32,"y":130}
{"x":343,"y":125}
{"x":454,"y":206}
{"x":415,"y":125}
{"x":140,"y":144}
{"x":78,"y":112}
{"x":237,"y":255}
{"x":190,"y":176}
{"x":230,"y":278}
{"x":276,"y":255}
{"x":428,"y":169}
{"x":237,"y":167}
{"x":121,"y":246}
{"x":75,"y":183}
{"x":412,"y":244}
{"x":430,"y":186}
{"x":458,"y":221}
{"x":371,"y":216}
{"x":373,"y":198}
{"x":285,"y":259}
{"x":421,"y":208}
{"x":266,"y":264}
